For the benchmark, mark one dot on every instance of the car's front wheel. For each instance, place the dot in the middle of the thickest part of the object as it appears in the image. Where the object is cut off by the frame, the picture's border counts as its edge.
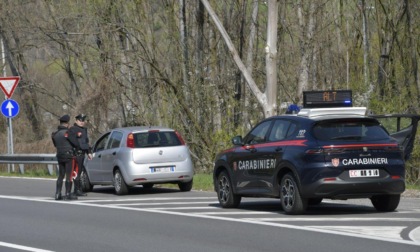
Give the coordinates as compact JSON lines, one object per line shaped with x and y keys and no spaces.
{"x":120,"y":186}
{"x":290,"y":198}
{"x":185,"y":186}
{"x":85,"y":182}
{"x":227,"y":198}
{"x":386,"y":203}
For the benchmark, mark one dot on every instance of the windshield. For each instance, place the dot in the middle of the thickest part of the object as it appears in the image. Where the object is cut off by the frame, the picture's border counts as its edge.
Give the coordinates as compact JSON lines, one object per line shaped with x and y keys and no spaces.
{"x":349,"y":130}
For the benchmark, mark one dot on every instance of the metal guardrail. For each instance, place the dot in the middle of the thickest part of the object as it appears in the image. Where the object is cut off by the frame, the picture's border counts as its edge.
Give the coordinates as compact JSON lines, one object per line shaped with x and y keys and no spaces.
{"x":21,"y":159}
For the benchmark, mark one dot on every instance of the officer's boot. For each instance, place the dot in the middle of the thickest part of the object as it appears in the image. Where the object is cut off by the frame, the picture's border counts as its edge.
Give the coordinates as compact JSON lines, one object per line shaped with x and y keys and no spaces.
{"x":58,"y":190}
{"x":78,"y":189}
{"x":69,"y":195}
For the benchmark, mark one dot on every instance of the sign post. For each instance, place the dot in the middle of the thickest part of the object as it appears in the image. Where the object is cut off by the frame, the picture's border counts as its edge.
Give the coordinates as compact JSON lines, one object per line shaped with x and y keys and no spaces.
{"x":9,"y":108}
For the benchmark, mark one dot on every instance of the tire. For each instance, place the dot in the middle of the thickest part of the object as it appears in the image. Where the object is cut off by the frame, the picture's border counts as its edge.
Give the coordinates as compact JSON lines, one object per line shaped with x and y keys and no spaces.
{"x":227,"y":198}
{"x":148,"y":186}
{"x":185,"y":186}
{"x":85,"y":182}
{"x":386,"y":203}
{"x":290,"y":198}
{"x":120,"y":186}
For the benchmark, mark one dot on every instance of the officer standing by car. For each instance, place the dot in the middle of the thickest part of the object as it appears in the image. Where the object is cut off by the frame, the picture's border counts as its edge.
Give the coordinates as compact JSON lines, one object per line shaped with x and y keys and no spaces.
{"x":79,"y":136}
{"x":64,"y":157}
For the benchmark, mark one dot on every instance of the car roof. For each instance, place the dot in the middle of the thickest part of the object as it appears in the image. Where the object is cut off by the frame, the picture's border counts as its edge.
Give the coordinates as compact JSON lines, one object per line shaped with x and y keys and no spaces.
{"x":143,"y":129}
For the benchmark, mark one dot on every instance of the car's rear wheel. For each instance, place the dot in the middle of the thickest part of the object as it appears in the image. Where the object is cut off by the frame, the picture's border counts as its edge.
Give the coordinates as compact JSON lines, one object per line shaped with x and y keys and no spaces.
{"x":185,"y":186}
{"x":386,"y":203}
{"x":120,"y":186}
{"x":85,"y":182}
{"x":290,"y":198}
{"x":227,"y":198}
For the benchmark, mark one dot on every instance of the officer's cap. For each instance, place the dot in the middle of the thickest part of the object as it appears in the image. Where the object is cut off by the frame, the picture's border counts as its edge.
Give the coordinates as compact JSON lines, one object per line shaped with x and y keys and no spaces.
{"x":81,"y":117}
{"x":65,"y":119}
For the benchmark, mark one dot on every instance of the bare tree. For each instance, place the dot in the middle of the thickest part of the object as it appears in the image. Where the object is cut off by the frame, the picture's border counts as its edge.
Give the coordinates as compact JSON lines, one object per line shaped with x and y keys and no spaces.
{"x":265,"y":99}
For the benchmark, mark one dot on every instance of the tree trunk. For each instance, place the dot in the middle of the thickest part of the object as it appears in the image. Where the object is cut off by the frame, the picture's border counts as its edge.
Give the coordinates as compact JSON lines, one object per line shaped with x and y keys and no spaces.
{"x":271,"y":58}
{"x":261,"y":97}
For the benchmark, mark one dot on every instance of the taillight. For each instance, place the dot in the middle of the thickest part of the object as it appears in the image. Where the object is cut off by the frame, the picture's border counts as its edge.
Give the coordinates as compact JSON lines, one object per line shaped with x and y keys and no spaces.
{"x":130,"y":140}
{"x":180,"y":138}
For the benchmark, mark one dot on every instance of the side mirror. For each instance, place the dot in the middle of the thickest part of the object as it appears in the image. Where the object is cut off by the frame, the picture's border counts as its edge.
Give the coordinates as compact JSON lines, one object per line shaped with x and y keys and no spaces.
{"x":237,"y":140}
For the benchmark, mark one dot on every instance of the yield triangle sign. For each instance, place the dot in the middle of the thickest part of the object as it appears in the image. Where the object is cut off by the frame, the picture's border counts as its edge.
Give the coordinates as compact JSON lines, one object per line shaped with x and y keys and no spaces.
{"x":8,"y":85}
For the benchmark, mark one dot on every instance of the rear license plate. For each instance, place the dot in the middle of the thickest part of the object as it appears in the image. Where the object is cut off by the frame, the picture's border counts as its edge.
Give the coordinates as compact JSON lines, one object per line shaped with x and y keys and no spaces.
{"x":364,"y":173}
{"x":162,"y":169}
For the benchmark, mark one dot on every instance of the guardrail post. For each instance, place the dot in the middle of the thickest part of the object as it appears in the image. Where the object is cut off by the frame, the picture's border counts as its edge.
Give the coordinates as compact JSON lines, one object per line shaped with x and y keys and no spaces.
{"x":22,"y":168}
{"x":50,"y":169}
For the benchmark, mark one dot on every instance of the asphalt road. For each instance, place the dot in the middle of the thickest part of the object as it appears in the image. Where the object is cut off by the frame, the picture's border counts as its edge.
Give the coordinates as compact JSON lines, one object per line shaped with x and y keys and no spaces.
{"x":162,"y":219}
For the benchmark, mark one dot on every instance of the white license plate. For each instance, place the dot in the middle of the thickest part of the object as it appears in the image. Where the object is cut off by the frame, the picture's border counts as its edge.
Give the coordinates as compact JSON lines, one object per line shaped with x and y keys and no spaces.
{"x":364,"y":173}
{"x":162,"y":169}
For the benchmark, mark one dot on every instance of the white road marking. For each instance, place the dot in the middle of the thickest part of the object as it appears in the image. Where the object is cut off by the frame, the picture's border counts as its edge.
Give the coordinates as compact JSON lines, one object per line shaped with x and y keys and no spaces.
{"x":233,"y":213}
{"x":180,"y":208}
{"x":257,"y":222}
{"x":20,"y":247}
{"x":392,"y":232}
{"x":149,"y":199}
{"x":415,"y":235}
{"x":167,"y":203}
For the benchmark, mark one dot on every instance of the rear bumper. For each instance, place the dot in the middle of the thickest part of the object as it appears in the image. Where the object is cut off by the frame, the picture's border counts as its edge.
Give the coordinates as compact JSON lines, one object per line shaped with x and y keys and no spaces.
{"x":340,"y":189}
{"x":142,"y":174}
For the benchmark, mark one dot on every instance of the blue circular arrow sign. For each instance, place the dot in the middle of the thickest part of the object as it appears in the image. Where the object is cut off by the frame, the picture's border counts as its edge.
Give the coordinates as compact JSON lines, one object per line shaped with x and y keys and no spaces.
{"x":10,"y":108}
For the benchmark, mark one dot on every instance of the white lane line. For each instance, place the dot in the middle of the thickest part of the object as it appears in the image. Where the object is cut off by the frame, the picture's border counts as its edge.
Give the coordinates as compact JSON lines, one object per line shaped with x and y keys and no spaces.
{"x":271,"y":224}
{"x":180,"y":208}
{"x":150,"y":199}
{"x":233,"y":213}
{"x":335,"y":219}
{"x":392,"y":232}
{"x":167,"y":203}
{"x":415,"y":235}
{"x":20,"y":247}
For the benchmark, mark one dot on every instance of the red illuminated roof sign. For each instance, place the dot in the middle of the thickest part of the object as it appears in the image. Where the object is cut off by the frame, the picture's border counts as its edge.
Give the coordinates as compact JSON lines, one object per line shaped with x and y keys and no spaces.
{"x":8,"y":85}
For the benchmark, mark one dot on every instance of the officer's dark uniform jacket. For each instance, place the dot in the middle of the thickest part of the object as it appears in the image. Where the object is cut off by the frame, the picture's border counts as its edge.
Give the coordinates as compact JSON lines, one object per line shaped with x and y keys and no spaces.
{"x":61,"y":142}
{"x":79,"y":137}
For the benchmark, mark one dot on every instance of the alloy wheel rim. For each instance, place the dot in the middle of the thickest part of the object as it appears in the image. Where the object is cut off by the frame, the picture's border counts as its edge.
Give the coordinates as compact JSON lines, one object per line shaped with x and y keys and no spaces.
{"x":224,"y":189}
{"x":288,"y":194}
{"x":117,"y":181}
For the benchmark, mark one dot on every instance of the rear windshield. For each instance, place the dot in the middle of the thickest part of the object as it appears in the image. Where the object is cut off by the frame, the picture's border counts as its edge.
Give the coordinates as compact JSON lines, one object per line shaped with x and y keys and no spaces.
{"x":155,"y":139}
{"x":349,"y":130}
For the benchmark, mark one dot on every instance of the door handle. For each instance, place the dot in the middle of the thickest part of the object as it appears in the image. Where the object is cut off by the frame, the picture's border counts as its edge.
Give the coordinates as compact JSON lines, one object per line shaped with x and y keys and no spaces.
{"x":250,"y":148}
{"x":278,"y":149}
{"x":113,"y":153}
{"x":100,"y":155}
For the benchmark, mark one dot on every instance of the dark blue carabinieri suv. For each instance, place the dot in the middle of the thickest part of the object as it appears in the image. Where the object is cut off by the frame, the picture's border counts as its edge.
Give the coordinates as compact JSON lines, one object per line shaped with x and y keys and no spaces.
{"x":321,"y":152}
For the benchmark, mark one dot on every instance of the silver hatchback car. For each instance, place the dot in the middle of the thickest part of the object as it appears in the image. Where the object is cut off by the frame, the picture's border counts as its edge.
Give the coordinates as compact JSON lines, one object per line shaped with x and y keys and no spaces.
{"x":125,"y":157}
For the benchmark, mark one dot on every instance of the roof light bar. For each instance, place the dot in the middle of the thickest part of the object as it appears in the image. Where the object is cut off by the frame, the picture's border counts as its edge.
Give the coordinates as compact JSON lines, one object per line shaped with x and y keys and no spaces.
{"x":360,"y":111}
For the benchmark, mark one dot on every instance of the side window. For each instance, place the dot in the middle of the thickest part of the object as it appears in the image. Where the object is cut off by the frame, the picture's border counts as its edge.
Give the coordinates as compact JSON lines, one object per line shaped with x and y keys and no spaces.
{"x":291,"y":130}
{"x":100,"y":144}
{"x":279,"y":130}
{"x":115,"y":140}
{"x":258,"y":134}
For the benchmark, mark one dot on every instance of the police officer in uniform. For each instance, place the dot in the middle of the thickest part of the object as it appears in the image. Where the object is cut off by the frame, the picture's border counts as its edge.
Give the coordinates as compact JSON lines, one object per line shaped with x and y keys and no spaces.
{"x":64,"y":157}
{"x":79,"y":136}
